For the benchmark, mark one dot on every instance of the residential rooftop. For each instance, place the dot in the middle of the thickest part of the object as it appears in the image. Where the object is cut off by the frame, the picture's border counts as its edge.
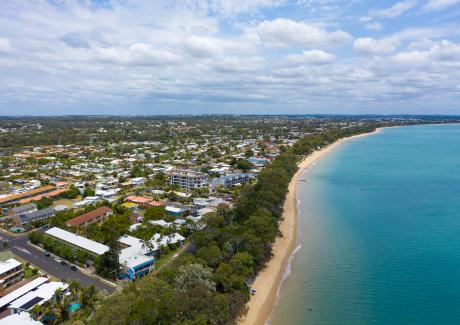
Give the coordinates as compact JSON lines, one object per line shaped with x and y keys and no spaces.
{"x":79,"y":241}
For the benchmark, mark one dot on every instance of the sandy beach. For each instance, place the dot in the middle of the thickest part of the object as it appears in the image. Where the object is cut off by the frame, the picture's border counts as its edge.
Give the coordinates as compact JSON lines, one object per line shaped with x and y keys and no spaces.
{"x":270,"y":278}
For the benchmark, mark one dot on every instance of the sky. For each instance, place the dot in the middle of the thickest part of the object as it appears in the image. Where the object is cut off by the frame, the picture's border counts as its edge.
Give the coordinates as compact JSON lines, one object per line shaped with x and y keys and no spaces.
{"x":139,"y":57}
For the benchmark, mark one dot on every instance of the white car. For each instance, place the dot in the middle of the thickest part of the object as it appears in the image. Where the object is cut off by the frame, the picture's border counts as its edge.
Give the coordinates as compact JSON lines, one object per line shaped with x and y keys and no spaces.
{"x":57,"y":259}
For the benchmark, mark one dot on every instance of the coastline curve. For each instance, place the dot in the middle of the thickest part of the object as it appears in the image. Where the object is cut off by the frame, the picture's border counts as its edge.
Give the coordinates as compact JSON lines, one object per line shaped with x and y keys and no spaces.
{"x":269,"y":281}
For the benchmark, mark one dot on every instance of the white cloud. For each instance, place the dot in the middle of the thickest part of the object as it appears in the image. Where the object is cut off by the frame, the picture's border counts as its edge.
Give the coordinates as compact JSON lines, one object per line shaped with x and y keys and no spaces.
{"x":286,"y":32}
{"x":311,"y":57}
{"x":418,"y":33}
{"x":411,"y":57}
{"x":239,"y":65}
{"x":5,"y":46}
{"x":201,"y":46}
{"x":396,"y":10}
{"x":361,"y":74}
{"x":443,"y":51}
{"x":138,"y":54}
{"x":219,"y":52}
{"x":370,"y":46}
{"x":230,"y":8}
{"x":373,"y":26}
{"x":141,"y":53}
{"x":435,"y":5}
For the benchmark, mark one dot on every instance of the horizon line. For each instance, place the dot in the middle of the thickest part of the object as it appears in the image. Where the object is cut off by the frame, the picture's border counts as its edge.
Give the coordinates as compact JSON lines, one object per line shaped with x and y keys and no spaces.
{"x":232,"y":115}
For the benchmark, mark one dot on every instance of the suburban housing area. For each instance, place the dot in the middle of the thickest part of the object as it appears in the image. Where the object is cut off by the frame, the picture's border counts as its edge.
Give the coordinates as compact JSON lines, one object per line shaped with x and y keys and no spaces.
{"x":117,"y":200}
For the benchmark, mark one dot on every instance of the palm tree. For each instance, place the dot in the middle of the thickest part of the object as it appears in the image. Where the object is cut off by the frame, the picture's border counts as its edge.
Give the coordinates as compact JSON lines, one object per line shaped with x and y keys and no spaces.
{"x":63,"y":310}
{"x":75,"y":288}
{"x":48,"y":308}
{"x":59,"y":295}
{"x":89,"y":297}
{"x":148,"y":245}
{"x":36,"y":311}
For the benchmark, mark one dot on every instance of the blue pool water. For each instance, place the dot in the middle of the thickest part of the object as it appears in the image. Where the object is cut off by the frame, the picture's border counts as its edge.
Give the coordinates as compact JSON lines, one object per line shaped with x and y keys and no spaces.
{"x":74,"y":307}
{"x":379,"y":229}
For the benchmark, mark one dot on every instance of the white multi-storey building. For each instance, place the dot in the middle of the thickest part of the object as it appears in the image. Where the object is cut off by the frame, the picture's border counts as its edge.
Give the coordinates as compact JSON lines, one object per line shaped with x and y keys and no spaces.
{"x":188,"y":179}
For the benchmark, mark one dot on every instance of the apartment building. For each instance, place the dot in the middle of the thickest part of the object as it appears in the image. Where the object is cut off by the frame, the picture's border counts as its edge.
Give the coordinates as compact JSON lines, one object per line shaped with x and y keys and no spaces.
{"x":26,"y":218}
{"x":90,"y":217}
{"x":231,"y":179}
{"x":188,"y":179}
{"x":11,"y":271}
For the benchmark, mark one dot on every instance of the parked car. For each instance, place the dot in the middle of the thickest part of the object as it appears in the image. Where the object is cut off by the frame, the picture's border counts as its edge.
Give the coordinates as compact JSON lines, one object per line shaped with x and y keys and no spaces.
{"x":57,"y":259}
{"x":46,"y":254}
{"x":74,"y":267}
{"x":64,"y":263}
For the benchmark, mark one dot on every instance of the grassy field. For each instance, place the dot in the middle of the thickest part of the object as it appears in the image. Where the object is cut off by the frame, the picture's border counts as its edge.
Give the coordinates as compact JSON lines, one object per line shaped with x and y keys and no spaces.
{"x":67,"y":202}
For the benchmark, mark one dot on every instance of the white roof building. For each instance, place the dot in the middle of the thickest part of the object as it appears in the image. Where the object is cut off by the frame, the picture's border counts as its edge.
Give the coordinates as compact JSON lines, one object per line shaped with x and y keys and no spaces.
{"x":108,"y":195}
{"x":138,"y":181}
{"x":39,"y":296}
{"x":133,"y":256}
{"x":134,"y":226}
{"x":168,"y":239}
{"x":161,"y":223}
{"x":79,"y":241}
{"x":8,"y":265}
{"x":86,"y":201}
{"x":174,"y":210}
{"x":5,"y":300}
{"x":132,"y":241}
{"x":19,"y":319}
{"x":155,"y":243}
{"x":203,"y":211}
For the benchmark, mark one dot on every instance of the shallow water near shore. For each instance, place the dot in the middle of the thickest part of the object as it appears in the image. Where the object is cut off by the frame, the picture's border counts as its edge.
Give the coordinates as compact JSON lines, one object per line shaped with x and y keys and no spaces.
{"x":379,"y":229}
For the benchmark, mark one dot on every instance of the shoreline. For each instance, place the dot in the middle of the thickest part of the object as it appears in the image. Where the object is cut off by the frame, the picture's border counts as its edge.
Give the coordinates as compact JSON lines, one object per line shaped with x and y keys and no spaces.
{"x":269,"y":280}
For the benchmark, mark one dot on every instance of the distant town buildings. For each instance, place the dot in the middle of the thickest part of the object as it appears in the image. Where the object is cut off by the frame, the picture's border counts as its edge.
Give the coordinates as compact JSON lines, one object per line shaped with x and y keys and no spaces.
{"x":16,"y":197}
{"x":189,"y":170}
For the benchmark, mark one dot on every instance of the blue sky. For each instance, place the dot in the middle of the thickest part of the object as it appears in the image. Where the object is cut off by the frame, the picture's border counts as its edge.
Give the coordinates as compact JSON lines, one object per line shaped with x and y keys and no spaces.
{"x":229,"y":56}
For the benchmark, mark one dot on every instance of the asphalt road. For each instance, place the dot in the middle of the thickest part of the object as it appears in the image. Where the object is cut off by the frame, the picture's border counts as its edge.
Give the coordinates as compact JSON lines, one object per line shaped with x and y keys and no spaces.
{"x":20,"y":246}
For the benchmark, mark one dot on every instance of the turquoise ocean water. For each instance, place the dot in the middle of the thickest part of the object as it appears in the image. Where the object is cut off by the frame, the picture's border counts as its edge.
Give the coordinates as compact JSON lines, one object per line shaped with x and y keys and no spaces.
{"x":379,"y":229}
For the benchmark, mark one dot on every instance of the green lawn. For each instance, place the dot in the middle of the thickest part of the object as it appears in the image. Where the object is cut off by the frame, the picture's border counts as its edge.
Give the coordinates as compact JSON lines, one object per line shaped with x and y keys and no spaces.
{"x":28,"y":272}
